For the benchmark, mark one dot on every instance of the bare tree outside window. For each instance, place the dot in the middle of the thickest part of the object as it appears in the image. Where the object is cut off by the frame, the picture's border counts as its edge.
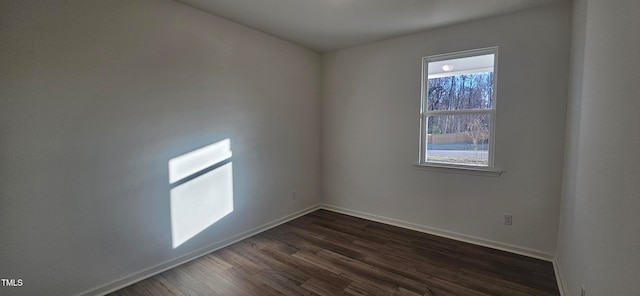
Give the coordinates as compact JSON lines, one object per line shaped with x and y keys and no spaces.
{"x":478,"y":131}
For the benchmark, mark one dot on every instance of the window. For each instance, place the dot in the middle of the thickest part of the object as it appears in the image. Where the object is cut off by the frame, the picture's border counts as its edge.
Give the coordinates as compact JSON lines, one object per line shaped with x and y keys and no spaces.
{"x":458,"y":109}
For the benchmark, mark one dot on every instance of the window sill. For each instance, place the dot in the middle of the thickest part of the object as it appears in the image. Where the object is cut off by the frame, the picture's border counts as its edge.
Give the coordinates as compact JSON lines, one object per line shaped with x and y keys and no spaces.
{"x":465,"y":170}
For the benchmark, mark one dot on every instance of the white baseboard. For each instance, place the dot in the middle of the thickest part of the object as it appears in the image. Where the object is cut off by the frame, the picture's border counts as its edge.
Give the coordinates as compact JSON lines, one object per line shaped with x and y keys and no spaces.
{"x":559,"y":278}
{"x":444,"y":233}
{"x":151,"y":271}
{"x":461,"y":237}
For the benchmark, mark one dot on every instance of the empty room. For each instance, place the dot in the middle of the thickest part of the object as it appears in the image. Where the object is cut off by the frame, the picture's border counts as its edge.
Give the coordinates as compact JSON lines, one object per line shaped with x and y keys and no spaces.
{"x":326,"y":147}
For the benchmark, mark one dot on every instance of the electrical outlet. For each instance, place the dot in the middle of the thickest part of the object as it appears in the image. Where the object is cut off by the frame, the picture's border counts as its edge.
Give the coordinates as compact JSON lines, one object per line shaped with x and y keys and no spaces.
{"x":508,"y":219}
{"x":294,"y":195}
{"x":583,"y":292}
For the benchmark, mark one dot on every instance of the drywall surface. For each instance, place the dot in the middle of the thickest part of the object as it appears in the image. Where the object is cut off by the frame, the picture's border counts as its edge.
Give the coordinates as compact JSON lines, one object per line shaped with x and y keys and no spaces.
{"x":370,"y":112}
{"x":599,"y":234}
{"x":97,"y":96}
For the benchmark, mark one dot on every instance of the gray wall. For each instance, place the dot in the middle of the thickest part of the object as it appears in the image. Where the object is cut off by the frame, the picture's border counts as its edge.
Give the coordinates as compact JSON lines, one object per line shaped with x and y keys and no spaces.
{"x":370,"y":107}
{"x":97,"y":96}
{"x":599,"y":236}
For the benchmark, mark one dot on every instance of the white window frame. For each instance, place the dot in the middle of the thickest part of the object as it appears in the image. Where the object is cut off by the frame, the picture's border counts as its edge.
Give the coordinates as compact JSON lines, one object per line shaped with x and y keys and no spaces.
{"x":425,"y":113}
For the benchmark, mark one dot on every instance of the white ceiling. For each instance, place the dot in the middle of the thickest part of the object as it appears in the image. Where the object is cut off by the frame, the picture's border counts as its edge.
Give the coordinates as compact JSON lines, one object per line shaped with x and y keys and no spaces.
{"x":325,"y":25}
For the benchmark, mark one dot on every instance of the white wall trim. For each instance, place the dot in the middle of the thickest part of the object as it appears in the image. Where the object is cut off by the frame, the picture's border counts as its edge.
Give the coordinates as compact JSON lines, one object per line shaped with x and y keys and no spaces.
{"x":465,"y":170}
{"x":151,"y":271}
{"x":445,"y":233}
{"x":559,"y":277}
{"x":461,"y":237}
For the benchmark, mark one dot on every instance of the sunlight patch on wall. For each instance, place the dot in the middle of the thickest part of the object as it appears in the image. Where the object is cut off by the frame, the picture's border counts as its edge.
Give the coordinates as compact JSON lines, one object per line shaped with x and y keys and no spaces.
{"x":202,"y":190}
{"x":195,"y":161}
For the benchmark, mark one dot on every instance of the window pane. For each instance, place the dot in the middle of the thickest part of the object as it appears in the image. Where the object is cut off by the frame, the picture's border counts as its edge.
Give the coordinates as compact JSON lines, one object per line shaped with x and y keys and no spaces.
{"x":458,"y":139}
{"x":458,"y":66}
{"x":461,"y":92}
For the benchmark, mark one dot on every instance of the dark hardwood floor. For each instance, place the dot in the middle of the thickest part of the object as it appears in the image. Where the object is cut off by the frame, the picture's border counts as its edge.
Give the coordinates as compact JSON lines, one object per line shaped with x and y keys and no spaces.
{"x":326,"y":253}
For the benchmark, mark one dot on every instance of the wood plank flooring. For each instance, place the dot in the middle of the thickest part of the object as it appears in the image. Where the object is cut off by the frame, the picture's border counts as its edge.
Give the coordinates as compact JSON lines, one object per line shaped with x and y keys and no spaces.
{"x":326,"y":253}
